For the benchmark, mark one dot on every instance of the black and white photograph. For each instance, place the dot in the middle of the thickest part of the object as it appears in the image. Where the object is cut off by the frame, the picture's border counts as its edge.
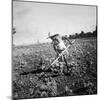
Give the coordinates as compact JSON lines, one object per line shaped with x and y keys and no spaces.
{"x":54,"y":49}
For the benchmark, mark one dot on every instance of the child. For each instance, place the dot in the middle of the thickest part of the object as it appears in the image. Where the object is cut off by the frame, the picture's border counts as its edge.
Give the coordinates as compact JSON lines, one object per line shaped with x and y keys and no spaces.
{"x":59,"y":46}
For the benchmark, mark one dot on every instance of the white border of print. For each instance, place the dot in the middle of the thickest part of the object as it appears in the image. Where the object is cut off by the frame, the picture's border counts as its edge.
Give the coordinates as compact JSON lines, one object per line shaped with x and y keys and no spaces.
{"x":5,"y":49}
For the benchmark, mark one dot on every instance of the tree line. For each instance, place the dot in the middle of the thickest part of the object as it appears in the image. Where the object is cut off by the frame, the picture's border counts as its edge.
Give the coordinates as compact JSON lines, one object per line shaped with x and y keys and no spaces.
{"x":82,"y":34}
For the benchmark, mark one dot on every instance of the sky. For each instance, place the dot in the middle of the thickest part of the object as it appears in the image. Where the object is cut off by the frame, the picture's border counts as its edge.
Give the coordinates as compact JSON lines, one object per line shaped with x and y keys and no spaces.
{"x":34,"y":20}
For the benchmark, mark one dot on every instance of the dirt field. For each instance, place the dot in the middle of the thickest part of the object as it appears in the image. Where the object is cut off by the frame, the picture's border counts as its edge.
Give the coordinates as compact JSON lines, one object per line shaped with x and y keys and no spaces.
{"x":32,"y":77}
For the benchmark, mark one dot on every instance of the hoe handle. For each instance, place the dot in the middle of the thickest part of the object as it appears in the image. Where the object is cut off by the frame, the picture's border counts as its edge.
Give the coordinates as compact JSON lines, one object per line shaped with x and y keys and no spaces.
{"x":62,"y":53}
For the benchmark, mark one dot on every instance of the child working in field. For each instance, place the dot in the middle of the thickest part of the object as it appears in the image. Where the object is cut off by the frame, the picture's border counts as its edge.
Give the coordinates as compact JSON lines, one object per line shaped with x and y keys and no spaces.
{"x":59,"y":46}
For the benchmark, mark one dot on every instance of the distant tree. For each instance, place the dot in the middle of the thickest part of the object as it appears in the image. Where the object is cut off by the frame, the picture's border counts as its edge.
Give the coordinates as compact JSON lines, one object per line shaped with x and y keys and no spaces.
{"x":82,"y":34}
{"x":88,"y":34}
{"x":71,"y":36}
{"x":76,"y":34}
{"x":95,"y":32}
{"x":13,"y":31}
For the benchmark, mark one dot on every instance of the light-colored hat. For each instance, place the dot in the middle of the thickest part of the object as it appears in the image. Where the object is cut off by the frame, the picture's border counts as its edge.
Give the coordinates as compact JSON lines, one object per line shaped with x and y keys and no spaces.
{"x":52,"y":35}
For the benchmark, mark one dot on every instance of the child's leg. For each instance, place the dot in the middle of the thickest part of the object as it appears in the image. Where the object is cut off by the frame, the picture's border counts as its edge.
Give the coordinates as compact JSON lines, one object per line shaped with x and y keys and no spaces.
{"x":65,"y":60}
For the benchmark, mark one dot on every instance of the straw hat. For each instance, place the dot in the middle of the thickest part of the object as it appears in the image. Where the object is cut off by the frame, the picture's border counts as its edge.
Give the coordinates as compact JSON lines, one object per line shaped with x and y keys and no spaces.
{"x":52,"y":35}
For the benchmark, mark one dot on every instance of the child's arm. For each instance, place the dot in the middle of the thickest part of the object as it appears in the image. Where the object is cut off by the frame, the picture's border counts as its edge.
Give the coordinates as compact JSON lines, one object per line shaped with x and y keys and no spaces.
{"x":65,"y":38}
